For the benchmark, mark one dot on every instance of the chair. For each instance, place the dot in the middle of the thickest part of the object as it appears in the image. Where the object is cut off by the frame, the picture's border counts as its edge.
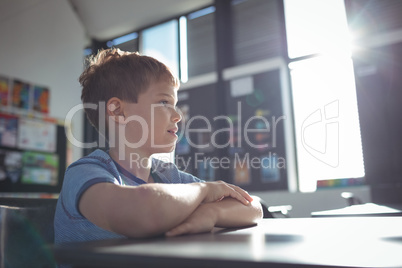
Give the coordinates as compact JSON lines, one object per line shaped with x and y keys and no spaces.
{"x":273,"y":211}
{"x":26,"y":233}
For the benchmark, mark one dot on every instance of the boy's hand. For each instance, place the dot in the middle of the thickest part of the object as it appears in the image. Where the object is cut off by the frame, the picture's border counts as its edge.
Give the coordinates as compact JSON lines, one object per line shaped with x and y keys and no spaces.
{"x":202,"y":220}
{"x":218,"y":190}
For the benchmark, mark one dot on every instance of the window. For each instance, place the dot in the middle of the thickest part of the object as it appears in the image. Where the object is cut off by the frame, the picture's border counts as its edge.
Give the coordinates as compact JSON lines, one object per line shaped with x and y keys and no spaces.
{"x":161,"y":42}
{"x":127,"y":42}
{"x":324,"y":95}
{"x":201,"y":42}
{"x":316,"y":27}
{"x":257,"y":31}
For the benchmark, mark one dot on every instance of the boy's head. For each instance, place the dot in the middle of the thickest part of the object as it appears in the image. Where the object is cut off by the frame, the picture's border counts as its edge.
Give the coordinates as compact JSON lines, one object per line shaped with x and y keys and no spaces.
{"x":124,"y":75}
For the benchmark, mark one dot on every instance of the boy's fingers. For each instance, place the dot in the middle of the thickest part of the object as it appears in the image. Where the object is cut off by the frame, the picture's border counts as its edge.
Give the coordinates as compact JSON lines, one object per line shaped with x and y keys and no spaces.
{"x":244,"y":193}
{"x":221,"y":189}
{"x":173,"y":232}
{"x":178,"y":230}
{"x":239,"y":194}
{"x":236,"y":195}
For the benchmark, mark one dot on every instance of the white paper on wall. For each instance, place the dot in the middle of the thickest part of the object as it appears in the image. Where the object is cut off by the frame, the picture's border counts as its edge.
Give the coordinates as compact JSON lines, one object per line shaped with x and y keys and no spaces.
{"x":241,"y":86}
{"x":37,"y":135}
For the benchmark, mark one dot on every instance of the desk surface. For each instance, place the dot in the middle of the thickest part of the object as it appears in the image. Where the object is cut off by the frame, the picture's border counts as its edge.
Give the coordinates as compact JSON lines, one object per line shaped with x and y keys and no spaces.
{"x":302,"y":242}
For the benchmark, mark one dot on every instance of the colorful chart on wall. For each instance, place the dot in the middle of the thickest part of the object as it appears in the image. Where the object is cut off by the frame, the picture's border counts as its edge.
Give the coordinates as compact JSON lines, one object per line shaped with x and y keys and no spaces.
{"x":36,"y":135}
{"x":4,"y":91}
{"x":21,"y":95}
{"x":10,"y":165}
{"x":8,"y":130}
{"x":41,"y":99}
{"x":40,"y":168}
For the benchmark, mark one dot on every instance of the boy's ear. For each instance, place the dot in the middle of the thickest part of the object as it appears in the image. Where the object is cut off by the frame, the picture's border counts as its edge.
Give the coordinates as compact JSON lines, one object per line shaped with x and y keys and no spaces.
{"x":115,"y":111}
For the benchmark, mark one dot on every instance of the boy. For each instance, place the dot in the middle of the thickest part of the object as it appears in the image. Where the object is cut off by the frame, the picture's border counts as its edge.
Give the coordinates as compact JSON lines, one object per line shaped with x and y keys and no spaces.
{"x":107,"y":194}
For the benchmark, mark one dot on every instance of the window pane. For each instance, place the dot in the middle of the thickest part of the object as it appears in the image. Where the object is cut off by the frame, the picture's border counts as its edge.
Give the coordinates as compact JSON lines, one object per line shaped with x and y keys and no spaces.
{"x":183,"y":49}
{"x":201,"y":42}
{"x":326,"y":120}
{"x":316,"y":26}
{"x":256,"y":30}
{"x":125,"y":43}
{"x":161,"y":42}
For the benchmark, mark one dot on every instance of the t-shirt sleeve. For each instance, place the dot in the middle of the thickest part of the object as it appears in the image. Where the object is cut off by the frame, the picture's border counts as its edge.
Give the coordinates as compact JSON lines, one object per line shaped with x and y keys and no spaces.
{"x":77,"y":180}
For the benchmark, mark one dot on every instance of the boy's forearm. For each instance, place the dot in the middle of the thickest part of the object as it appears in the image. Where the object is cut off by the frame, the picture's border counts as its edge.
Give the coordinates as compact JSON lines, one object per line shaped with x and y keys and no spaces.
{"x":150,"y":209}
{"x":226,"y":213}
{"x":161,"y":207}
{"x":174,"y":203}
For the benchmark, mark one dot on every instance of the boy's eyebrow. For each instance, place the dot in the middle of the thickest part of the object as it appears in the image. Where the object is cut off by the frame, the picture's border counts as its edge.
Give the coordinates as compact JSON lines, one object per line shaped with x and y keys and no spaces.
{"x":165,"y":94}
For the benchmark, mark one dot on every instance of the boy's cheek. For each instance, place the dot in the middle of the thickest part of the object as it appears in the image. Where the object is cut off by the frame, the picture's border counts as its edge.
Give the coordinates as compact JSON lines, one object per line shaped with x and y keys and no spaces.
{"x":136,"y":135}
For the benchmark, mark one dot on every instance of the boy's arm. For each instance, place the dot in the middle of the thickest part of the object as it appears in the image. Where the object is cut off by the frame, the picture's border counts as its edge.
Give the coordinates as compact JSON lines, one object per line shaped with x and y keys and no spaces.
{"x":150,"y":209}
{"x":226,"y":213}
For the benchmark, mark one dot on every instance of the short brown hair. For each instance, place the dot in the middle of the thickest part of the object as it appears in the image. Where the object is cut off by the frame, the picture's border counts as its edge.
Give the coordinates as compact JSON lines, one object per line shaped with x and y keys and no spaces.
{"x":125,"y":75}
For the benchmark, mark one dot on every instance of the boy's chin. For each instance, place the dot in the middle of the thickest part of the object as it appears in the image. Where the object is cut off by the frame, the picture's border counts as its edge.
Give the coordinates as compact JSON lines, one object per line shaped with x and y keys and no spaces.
{"x":164,"y":150}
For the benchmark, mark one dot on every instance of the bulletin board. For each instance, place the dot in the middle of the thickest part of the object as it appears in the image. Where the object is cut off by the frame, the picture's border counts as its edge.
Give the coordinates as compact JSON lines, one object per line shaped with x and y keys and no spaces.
{"x":33,"y":146}
{"x":256,"y":161}
{"x":31,"y":165}
{"x":255,"y":103}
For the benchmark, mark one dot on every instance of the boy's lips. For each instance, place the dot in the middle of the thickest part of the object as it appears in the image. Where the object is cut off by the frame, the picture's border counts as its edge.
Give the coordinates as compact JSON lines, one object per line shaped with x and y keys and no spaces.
{"x":173,"y":131}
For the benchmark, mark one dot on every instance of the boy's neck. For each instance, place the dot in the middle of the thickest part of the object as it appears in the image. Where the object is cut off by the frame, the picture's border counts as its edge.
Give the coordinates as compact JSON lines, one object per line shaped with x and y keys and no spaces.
{"x":138,"y":165}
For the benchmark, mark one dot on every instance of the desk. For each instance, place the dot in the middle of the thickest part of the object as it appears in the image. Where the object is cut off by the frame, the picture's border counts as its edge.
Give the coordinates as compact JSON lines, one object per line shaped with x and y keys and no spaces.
{"x":298,"y":242}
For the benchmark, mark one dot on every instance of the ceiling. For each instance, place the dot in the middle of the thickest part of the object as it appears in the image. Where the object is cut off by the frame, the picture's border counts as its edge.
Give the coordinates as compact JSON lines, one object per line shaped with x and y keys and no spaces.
{"x":106,"y":19}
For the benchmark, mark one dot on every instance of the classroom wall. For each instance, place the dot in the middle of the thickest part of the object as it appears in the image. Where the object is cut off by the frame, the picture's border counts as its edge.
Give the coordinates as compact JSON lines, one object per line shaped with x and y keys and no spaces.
{"x":42,"y":42}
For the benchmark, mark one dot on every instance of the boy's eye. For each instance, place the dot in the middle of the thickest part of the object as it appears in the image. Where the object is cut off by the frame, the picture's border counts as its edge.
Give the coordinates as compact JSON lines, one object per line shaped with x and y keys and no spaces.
{"x":164,"y":102}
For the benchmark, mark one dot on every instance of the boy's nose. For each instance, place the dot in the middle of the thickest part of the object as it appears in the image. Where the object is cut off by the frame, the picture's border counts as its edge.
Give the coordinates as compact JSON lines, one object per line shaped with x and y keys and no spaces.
{"x":176,"y":116}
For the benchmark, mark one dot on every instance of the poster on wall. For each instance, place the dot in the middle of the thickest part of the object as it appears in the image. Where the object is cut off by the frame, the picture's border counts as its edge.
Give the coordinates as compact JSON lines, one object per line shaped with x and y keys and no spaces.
{"x":8,"y":130}
{"x":40,"y":168}
{"x":10,"y":165}
{"x":21,"y":95}
{"x":4,"y":91}
{"x":41,"y":99}
{"x":36,"y":135}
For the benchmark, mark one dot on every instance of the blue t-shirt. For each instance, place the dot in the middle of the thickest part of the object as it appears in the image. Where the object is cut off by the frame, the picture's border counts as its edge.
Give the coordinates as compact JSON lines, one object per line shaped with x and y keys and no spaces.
{"x":69,"y":224}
